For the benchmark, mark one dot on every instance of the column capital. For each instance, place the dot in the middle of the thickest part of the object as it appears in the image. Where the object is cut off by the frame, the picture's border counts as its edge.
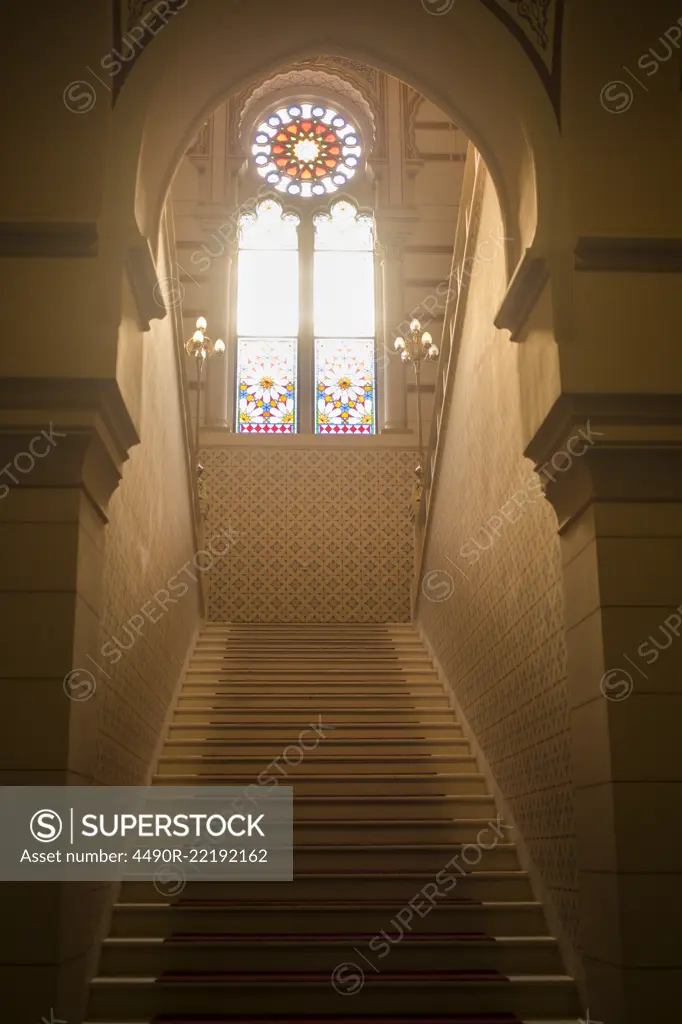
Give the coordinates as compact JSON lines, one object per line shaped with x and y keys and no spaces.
{"x":395,"y":228}
{"x":609,"y":448}
{"x":86,"y":433}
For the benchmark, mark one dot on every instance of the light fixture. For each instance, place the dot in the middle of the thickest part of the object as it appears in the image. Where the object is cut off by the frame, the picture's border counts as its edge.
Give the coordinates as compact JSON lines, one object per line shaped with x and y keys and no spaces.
{"x":416,"y":348}
{"x":201,"y":348}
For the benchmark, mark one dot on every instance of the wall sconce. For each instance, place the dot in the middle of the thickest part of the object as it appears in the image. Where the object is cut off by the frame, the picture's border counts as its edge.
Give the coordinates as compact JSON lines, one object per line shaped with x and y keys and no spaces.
{"x":416,"y":348}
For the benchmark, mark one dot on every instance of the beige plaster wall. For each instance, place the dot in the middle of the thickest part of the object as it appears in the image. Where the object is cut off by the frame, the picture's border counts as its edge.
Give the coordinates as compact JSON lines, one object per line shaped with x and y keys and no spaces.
{"x":490,"y":603}
{"x":149,"y":540}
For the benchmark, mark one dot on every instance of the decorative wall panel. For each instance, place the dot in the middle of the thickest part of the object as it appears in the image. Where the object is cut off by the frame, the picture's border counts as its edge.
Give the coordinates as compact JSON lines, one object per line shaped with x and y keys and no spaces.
{"x":320,"y":536}
{"x":491,"y":600}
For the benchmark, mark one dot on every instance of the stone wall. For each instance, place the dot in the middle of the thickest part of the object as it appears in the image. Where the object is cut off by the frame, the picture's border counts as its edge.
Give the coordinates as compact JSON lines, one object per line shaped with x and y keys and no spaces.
{"x":491,"y":602}
{"x":149,"y":539}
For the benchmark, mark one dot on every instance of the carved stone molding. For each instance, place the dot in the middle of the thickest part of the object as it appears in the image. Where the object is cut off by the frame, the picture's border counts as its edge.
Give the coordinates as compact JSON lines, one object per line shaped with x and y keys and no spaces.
{"x":609,"y":448}
{"x":40,"y":239}
{"x":93,"y":433}
{"x":200,"y":149}
{"x":633,"y":255}
{"x":525,"y":287}
{"x":306,"y":79}
{"x":145,"y":286}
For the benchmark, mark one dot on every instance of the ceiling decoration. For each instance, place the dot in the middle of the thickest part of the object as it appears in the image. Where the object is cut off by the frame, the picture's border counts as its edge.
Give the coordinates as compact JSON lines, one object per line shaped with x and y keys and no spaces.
{"x":537,"y":25}
{"x":314,"y":78}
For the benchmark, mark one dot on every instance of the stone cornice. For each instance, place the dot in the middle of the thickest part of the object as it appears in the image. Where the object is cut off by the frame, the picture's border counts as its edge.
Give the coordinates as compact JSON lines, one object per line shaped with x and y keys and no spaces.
{"x":625,"y":448}
{"x":525,"y":288}
{"x":92,"y":427}
{"x":38,"y":239}
{"x":148,"y":292}
{"x":629,"y":255}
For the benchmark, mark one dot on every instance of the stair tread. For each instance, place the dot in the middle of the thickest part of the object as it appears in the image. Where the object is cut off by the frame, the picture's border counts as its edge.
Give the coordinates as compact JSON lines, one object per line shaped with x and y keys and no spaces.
{"x":250,"y":688}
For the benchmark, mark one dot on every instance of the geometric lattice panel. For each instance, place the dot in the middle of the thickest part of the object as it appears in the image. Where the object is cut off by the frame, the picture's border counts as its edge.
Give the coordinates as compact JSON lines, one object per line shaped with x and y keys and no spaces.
{"x":320,"y":536}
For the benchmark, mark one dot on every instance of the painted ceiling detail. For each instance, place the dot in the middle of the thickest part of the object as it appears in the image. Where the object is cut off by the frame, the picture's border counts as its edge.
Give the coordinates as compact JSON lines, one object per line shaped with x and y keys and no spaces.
{"x":537,"y":25}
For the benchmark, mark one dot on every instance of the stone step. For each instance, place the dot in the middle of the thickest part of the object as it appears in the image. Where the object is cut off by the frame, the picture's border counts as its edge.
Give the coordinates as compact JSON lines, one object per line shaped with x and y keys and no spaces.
{"x":396,"y":950}
{"x":396,"y":784}
{"x":300,"y":717}
{"x":404,"y":877}
{"x":347,"y":831}
{"x":406,"y":992}
{"x":385,"y":807}
{"x":135,"y":916}
{"x":271,"y":732}
{"x":381,"y":884}
{"x":318,"y":761}
{"x":332,"y":743}
{"x":318,"y":704}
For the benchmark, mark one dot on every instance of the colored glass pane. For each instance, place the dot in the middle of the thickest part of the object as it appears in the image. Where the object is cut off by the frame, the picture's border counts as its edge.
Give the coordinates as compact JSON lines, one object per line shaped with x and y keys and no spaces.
{"x":266,"y":382}
{"x":306,"y":150}
{"x":344,"y":386}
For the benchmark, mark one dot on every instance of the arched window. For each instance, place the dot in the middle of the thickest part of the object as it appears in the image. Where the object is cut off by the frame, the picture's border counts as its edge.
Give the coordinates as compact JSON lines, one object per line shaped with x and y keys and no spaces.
{"x":344,"y":322}
{"x":268,"y":321}
{"x":306,"y":321}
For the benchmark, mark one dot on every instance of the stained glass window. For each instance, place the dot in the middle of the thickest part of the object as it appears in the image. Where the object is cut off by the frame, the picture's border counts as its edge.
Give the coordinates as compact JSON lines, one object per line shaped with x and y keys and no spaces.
{"x":344,"y":322}
{"x":306,"y":150}
{"x":344,"y":375}
{"x":267,"y":386}
{"x":267,"y":320}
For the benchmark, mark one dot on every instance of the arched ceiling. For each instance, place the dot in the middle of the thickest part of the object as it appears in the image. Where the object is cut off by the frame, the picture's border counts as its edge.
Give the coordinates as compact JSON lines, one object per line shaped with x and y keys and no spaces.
{"x":536,"y":24}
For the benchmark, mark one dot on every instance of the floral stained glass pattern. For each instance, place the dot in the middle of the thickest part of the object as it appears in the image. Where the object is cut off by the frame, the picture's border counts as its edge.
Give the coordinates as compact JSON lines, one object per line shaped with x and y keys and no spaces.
{"x":266,"y":375}
{"x":345,"y":390}
{"x":306,"y":150}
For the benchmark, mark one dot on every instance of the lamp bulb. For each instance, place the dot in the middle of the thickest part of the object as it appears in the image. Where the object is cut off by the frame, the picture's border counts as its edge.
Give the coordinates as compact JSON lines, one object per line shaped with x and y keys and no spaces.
{"x":219,"y":346}
{"x":201,"y":323}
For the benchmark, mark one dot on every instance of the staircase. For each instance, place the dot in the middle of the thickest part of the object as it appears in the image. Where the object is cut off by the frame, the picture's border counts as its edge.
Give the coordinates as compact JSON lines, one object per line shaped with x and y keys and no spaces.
{"x":370,"y":929}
